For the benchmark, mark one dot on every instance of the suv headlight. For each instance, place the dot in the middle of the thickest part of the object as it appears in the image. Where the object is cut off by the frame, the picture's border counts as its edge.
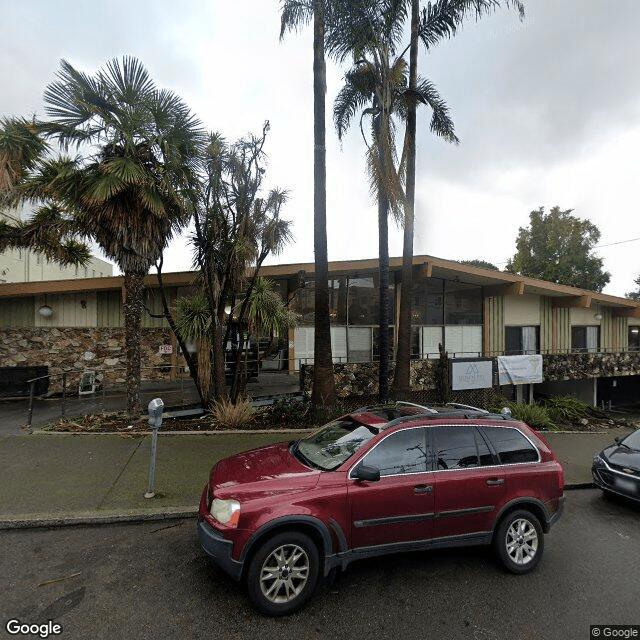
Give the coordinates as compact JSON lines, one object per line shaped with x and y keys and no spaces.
{"x":225,"y":511}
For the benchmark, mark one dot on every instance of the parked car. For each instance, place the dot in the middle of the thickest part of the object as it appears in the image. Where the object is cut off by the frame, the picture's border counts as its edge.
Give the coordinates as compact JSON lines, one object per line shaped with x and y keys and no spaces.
{"x":616,"y":469}
{"x":380,"y":480}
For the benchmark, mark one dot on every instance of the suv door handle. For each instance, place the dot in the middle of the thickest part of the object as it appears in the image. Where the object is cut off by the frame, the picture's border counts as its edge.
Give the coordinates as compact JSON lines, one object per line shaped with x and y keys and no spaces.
{"x":495,"y":481}
{"x":422,"y":488}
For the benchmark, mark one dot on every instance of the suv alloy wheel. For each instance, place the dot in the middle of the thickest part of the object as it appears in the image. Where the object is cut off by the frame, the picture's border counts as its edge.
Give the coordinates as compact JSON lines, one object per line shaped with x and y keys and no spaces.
{"x":283,"y":573}
{"x":519,"y":541}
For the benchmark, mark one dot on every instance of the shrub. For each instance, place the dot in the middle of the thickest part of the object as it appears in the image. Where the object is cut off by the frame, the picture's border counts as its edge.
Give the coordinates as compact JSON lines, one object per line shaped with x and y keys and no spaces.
{"x":534,"y":415}
{"x":288,"y":411}
{"x":566,"y":408}
{"x":233,"y":416}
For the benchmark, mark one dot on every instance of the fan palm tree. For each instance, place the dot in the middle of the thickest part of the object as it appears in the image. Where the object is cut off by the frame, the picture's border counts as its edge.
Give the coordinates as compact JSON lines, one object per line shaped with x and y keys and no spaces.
{"x":21,"y":148}
{"x":377,"y":87}
{"x":127,"y":186}
{"x":439,"y":20}
{"x":297,"y":13}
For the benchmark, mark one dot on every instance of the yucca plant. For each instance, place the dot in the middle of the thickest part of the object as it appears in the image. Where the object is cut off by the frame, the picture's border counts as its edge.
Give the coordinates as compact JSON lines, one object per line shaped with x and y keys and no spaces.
{"x":566,"y":408}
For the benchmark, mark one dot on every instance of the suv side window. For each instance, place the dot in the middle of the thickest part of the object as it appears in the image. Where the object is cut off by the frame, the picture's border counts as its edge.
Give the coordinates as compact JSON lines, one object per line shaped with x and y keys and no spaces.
{"x":402,"y":452}
{"x":511,"y":445}
{"x":459,"y":447}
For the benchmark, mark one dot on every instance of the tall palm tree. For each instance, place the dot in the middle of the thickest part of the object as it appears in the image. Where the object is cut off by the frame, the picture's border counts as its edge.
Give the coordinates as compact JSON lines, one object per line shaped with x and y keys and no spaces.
{"x":439,"y":20}
{"x":372,"y":33}
{"x":126,"y":188}
{"x":296,"y":13}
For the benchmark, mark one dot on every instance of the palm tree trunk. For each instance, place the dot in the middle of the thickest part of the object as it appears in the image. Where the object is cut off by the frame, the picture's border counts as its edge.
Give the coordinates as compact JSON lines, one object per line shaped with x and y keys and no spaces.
{"x":383,"y":330}
{"x":133,"y":304}
{"x":401,"y":383}
{"x":323,"y":396}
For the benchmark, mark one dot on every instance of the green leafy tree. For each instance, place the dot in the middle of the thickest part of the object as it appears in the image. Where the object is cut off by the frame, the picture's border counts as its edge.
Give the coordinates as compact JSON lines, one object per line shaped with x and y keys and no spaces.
{"x":483,"y":264}
{"x":126,"y":186}
{"x":635,"y":295}
{"x":557,"y":247}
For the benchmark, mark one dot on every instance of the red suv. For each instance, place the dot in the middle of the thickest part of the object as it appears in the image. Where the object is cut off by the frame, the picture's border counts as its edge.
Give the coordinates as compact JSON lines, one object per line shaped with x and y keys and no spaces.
{"x":381,"y":480}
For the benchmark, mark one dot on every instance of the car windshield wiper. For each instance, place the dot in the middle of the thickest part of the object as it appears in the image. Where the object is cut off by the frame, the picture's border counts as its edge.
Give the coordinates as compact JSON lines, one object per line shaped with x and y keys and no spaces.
{"x":295,"y":450}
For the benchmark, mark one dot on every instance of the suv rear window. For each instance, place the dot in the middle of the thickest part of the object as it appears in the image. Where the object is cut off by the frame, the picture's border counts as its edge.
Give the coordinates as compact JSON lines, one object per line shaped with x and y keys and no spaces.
{"x":460,"y":447}
{"x":510,"y":445}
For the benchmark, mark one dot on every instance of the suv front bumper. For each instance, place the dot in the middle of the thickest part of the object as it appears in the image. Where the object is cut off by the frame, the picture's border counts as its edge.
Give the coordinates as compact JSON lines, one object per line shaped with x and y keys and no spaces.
{"x":218,"y":549}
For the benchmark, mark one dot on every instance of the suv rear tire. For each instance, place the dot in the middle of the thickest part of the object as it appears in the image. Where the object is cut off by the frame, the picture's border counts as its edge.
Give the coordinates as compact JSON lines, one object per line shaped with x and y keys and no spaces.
{"x":519,"y":541}
{"x":283,"y":573}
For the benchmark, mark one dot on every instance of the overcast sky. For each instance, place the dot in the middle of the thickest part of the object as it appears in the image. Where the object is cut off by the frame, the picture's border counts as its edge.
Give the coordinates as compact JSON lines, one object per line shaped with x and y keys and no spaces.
{"x":547,"y":111}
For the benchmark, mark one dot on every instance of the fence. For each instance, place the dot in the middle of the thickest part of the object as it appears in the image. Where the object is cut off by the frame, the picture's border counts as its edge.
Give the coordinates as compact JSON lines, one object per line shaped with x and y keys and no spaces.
{"x":82,"y":392}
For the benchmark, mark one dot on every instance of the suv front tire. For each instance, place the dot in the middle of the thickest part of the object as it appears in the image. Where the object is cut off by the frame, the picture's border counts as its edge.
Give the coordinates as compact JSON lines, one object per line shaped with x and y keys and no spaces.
{"x":283,"y":573}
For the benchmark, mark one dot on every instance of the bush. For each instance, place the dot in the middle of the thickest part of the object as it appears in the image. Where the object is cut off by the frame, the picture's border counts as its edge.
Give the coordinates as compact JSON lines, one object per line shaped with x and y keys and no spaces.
{"x":566,"y":408}
{"x":288,"y":411}
{"x":233,"y":416}
{"x":534,"y":415}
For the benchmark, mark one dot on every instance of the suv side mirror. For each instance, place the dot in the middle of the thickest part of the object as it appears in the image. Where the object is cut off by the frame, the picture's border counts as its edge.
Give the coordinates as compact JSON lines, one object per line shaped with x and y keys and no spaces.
{"x":366,"y":472}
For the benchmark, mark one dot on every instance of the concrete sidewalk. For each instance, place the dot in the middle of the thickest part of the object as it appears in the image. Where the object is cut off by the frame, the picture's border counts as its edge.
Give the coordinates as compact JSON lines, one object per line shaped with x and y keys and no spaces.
{"x":49,"y":479}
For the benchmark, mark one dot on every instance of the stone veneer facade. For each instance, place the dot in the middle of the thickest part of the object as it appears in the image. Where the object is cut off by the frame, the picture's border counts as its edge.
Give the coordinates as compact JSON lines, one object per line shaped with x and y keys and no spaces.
{"x":361,"y":379}
{"x":75,"y":350}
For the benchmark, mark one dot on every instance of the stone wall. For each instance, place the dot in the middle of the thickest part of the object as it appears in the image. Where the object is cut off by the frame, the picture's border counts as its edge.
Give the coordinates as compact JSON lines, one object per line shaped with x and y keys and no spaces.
{"x":579,"y":366}
{"x":361,"y":378}
{"x":74,"y":350}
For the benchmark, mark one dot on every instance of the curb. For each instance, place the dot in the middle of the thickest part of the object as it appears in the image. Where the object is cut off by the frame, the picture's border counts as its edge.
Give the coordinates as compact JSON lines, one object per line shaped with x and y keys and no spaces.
{"x":94,"y":520}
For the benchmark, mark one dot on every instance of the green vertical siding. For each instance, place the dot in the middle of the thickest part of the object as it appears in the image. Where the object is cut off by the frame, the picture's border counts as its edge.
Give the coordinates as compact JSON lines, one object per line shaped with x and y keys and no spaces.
{"x":546,"y":325}
{"x":17,"y":312}
{"x":496,"y":324}
{"x":614,"y":334}
{"x":110,"y":309}
{"x":563,"y":321}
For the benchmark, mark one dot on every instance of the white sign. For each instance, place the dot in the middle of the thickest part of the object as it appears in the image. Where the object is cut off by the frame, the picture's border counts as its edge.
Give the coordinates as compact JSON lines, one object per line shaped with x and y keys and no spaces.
{"x":166,"y":348}
{"x":519,"y":369}
{"x":471,"y":374}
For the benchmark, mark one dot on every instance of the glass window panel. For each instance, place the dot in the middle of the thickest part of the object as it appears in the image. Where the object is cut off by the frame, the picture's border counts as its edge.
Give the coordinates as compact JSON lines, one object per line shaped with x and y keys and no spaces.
{"x":455,"y":448}
{"x":428,"y":302}
{"x":401,"y":452}
{"x":364,"y":301}
{"x":462,"y":304}
{"x":634,"y":338}
{"x":359,"y":344}
{"x":510,"y":445}
{"x":592,"y":339}
{"x":303,"y":303}
{"x":431,"y":338}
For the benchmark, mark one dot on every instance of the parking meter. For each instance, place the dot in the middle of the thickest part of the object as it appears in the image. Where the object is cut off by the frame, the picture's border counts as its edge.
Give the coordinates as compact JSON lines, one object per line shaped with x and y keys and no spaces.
{"x":155,"y":420}
{"x":155,"y":413}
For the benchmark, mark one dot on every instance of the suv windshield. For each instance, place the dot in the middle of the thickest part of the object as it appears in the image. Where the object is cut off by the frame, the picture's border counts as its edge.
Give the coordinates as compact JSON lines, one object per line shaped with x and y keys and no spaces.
{"x":328,"y":448}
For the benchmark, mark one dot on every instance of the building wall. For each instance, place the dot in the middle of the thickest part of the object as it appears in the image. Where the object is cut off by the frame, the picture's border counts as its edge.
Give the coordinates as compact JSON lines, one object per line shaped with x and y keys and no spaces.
{"x":73,"y":350}
{"x":494,"y":325}
{"x":521,"y":311}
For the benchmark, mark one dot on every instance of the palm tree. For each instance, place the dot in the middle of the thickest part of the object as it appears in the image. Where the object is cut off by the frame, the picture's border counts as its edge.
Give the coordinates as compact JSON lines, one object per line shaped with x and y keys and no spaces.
{"x":372,"y":33}
{"x":439,"y":20}
{"x":21,"y":148}
{"x":126,"y":188}
{"x":296,"y":13}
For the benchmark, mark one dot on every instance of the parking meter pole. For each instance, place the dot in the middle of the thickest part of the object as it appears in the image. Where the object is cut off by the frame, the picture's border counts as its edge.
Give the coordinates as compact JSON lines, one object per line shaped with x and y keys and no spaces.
{"x":155,"y":420}
{"x":152,"y":464}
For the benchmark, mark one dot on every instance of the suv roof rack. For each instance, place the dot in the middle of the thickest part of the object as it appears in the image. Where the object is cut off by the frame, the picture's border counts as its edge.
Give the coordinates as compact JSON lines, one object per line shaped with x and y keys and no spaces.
{"x":459,"y":405}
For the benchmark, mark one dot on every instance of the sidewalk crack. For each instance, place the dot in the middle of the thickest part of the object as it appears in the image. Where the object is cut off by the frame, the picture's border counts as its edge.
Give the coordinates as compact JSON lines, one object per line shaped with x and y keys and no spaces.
{"x":115,"y":482}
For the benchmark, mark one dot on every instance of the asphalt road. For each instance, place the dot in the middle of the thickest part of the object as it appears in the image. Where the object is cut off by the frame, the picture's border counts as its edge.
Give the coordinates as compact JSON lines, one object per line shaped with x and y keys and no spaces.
{"x":152,"y":581}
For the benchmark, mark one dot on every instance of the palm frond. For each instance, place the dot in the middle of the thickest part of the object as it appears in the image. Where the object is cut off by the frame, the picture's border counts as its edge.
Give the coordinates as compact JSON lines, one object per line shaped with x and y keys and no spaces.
{"x":441,"y":122}
{"x":295,"y":15}
{"x":21,"y":147}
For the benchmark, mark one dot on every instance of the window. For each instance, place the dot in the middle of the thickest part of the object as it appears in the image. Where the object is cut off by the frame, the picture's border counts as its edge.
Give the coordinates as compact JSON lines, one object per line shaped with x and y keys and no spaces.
{"x":585,"y":339}
{"x":510,"y":445}
{"x":428,"y":302}
{"x":460,"y":448}
{"x":401,"y":452}
{"x":462,"y":303}
{"x":521,"y":340}
{"x":634,"y":338}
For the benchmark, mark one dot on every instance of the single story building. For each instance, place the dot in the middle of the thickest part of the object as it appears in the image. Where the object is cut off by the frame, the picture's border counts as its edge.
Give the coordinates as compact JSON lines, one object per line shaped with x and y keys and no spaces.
{"x":588,"y":342}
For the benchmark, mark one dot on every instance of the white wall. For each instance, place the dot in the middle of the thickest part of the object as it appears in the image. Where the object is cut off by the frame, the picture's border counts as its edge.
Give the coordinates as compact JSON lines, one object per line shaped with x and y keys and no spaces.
{"x":521,"y":311}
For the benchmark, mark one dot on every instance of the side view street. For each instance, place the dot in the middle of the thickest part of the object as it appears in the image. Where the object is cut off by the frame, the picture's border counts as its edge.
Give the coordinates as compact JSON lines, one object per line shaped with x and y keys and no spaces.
{"x":320,"y":319}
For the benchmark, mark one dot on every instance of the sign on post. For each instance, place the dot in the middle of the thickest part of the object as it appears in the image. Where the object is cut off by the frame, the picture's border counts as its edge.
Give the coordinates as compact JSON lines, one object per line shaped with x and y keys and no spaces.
{"x":471,"y":373}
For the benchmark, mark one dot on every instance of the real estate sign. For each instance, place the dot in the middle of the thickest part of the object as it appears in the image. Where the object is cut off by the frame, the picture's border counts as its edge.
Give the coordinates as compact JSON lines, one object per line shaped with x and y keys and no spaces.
{"x":471,"y":373}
